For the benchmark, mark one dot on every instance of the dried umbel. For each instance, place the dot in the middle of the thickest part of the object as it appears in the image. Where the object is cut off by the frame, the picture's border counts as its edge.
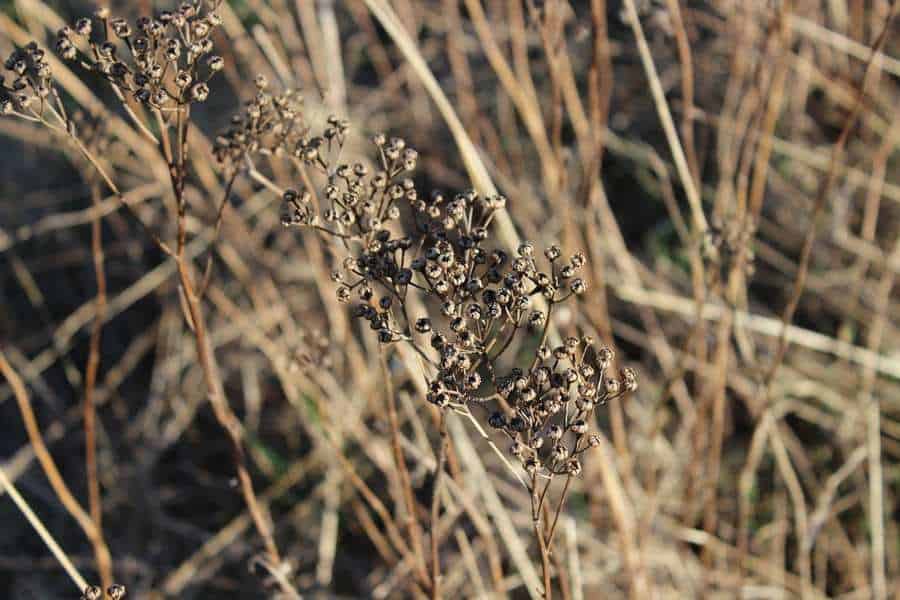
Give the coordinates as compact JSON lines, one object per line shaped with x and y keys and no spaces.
{"x":421,"y":270}
{"x":164,"y":62}
{"x":479,"y":300}
{"x":552,"y":403}
{"x":30,"y":83}
{"x":269,"y":124}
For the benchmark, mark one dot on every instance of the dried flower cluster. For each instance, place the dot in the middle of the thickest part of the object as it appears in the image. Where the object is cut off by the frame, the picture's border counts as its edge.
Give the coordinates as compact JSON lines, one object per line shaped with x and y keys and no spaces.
{"x":270,"y":124}
{"x":553,"y":402}
{"x":31,"y":84}
{"x":479,"y":300}
{"x":164,"y":62}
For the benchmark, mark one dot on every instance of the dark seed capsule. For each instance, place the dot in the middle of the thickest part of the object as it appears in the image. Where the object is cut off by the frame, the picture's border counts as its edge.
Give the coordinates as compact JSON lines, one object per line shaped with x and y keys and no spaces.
{"x":497,"y":420}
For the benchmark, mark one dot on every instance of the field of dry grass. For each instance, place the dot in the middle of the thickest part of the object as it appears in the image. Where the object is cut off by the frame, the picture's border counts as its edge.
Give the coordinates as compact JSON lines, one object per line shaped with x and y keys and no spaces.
{"x":188,"y":410}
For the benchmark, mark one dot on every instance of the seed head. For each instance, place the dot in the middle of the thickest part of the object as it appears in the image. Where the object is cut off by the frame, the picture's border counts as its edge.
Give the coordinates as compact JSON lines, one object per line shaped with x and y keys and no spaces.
{"x":215,"y":63}
{"x":92,"y":592}
{"x":579,"y":427}
{"x":116,"y":591}
{"x":83,"y":26}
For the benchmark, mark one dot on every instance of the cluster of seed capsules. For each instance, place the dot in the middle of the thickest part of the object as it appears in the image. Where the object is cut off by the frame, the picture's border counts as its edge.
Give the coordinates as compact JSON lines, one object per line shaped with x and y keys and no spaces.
{"x":30,"y":85}
{"x":164,"y":62}
{"x":270,"y":124}
{"x":549,"y":406}
{"x":358,"y":203}
{"x":479,"y":301}
{"x":487,"y":308}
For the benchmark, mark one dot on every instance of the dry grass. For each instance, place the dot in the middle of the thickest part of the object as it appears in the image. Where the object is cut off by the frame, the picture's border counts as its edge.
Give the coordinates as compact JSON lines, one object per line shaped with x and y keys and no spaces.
{"x":201,"y":404}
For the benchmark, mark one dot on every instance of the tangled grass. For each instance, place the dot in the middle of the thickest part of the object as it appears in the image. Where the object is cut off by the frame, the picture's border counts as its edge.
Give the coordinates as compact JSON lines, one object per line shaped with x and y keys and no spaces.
{"x":255,"y":336}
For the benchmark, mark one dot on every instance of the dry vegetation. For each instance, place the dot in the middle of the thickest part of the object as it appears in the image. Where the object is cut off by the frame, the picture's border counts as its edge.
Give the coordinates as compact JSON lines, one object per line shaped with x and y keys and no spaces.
{"x":190,"y":409}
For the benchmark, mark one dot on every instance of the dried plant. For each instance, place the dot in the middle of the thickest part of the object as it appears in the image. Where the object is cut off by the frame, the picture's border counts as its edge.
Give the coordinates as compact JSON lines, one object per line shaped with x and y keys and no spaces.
{"x":725,"y":167}
{"x":402,"y":252}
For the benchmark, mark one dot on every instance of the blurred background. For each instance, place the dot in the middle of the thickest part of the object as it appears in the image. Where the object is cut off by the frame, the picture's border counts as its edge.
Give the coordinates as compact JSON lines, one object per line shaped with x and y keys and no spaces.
{"x":729,"y":168}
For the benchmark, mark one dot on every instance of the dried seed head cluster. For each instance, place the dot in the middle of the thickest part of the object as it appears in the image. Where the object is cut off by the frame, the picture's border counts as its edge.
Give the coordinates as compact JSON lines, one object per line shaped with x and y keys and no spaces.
{"x":551,"y":404}
{"x":270,"y":124}
{"x":164,"y":62}
{"x":30,"y":85}
{"x":479,"y":300}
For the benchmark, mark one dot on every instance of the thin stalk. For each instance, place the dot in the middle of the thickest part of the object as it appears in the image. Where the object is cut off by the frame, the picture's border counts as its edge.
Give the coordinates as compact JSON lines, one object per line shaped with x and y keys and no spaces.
{"x":435,"y":508}
{"x":213,"y":381}
{"x":412,"y":521}
{"x":539,"y":534}
{"x":35,"y":521}
{"x":95,"y":505}
{"x":559,"y":507}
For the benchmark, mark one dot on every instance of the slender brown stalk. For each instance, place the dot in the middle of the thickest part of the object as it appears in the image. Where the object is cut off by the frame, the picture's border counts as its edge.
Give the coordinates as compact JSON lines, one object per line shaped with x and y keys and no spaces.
{"x":559,"y":507}
{"x":215,"y":391}
{"x":95,"y":502}
{"x":539,"y":534}
{"x":436,"y":507}
{"x":412,"y":521}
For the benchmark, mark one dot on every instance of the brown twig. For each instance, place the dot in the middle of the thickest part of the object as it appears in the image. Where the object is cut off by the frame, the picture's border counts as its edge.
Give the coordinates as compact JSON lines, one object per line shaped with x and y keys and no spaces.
{"x":436,"y":506}
{"x":536,"y":502}
{"x":90,"y":379}
{"x":413,"y":526}
{"x":215,"y":391}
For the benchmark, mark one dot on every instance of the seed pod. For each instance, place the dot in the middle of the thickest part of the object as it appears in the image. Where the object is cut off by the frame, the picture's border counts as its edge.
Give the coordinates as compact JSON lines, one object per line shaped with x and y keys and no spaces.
{"x":215,"y":63}
{"x":604,"y":358}
{"x":200,"y":92}
{"x":116,"y":591}
{"x":578,"y":260}
{"x":537,"y":319}
{"x":66,"y":49}
{"x":121,"y":28}
{"x":497,"y":420}
{"x":579,"y":427}
{"x":83,"y":28}
{"x":629,"y":379}
{"x":92,"y":592}
{"x":612,"y":386}
{"x":560,"y":452}
{"x":183,"y":79}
